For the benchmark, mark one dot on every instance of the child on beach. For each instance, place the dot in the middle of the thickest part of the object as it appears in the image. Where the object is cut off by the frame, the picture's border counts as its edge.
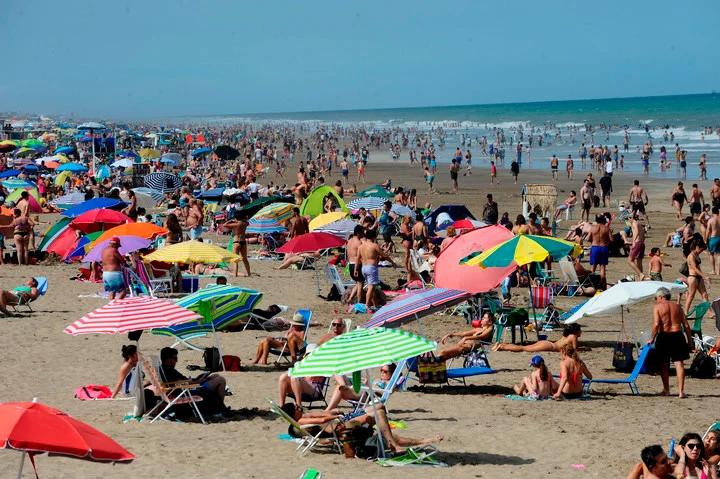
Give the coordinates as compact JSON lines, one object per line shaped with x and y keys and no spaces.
{"x":656,"y":264}
{"x":429,"y":177}
{"x":540,"y":383}
{"x":493,"y":171}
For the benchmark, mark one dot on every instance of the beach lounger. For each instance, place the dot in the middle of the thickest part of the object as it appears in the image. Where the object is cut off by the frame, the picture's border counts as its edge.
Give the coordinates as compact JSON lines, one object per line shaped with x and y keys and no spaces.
{"x":632,"y":378}
{"x":569,"y":277}
{"x":171,"y":394}
{"x":333,"y":276}
{"x":413,"y":456}
{"x":697,"y":314}
{"x":284,"y":353}
{"x":308,"y":442}
{"x":42,"y":287}
{"x":397,"y":382}
{"x":259,"y":321}
{"x":420,"y":266}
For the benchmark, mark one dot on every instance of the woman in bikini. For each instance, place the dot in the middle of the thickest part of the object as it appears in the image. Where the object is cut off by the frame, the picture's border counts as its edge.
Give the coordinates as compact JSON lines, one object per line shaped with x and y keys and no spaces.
{"x":25,"y":293}
{"x":22,"y":228}
{"x":571,"y":335}
{"x":469,"y":339}
{"x":127,"y":380}
{"x":175,"y":232}
{"x":238,"y":226}
{"x":695,"y":278}
{"x":691,"y":458}
{"x":679,"y":197}
{"x":572,"y":370}
{"x":419,"y":231}
{"x":406,"y":235}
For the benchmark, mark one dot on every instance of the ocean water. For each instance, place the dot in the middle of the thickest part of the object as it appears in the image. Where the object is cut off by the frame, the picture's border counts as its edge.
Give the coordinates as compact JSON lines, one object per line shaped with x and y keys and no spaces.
{"x":684,"y":115}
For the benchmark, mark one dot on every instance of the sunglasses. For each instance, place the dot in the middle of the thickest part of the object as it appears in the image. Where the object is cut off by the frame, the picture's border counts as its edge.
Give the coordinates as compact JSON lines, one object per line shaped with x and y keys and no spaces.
{"x":387,"y":371}
{"x":335,"y":325}
{"x":693,"y":445}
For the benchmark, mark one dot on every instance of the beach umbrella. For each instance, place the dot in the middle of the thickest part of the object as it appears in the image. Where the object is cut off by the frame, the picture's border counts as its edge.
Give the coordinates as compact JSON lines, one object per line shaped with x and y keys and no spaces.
{"x":213,"y":194}
{"x":91,"y":126}
{"x":402,"y":210}
{"x":522,"y":249}
{"x":368,"y":202}
{"x":264,"y":226}
{"x":414,"y":305}
{"x":94,"y":204}
{"x":276,"y":211}
{"x":53,"y":232}
{"x":30,"y":168}
{"x":72,"y":167}
{"x":253,"y":207}
{"x":34,"y":428}
{"x":48,"y":159}
{"x":17,"y":184}
{"x":127,"y":154}
{"x":326,"y":218}
{"x":32,"y":143}
{"x":200,"y":152}
{"x":81,"y":246}
{"x":69,"y":200}
{"x":343,"y":228}
{"x":64,"y":150}
{"x":232,"y":192}
{"x":450,"y":274}
{"x":142,"y":230}
{"x":98,"y":220}
{"x":103,"y":172}
{"x":616,"y":298}
{"x":62,"y":177}
{"x":156,"y":195}
{"x":174,"y":158}
{"x":468,"y":224}
{"x":361,"y":349}
{"x":162,"y":181}
{"x":192,"y":252}
{"x":131,"y":314}
{"x":311,"y":242}
{"x":128,"y":244}
{"x":225,"y":152}
{"x":9,"y":173}
{"x":25,"y":151}
{"x":229,"y":305}
{"x":122,"y":163}
{"x":377,"y":191}
{"x":7,"y":146}
{"x":149,"y":154}
{"x":15,"y":194}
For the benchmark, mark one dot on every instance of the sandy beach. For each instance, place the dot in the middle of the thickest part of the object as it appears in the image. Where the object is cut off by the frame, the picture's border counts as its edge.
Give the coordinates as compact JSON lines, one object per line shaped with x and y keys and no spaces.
{"x":486,"y":435}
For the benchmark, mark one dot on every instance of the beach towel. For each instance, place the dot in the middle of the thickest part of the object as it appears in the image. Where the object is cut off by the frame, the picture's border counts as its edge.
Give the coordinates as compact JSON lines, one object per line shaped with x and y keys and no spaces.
{"x":518,"y":397}
{"x":92,"y":392}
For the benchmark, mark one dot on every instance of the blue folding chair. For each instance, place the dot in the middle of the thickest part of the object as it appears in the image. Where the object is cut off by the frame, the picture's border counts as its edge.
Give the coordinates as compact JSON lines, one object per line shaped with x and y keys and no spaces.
{"x":284,"y":353}
{"x":632,"y":378}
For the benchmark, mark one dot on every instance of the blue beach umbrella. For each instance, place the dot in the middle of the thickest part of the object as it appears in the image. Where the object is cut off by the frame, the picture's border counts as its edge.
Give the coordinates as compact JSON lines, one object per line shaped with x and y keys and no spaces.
{"x":94,"y":204}
{"x":264,"y":226}
{"x":30,"y":168}
{"x":368,"y":202}
{"x":64,"y":150}
{"x":15,"y":184}
{"x":9,"y":173}
{"x":171,"y":158}
{"x":200,"y":152}
{"x":72,"y":167}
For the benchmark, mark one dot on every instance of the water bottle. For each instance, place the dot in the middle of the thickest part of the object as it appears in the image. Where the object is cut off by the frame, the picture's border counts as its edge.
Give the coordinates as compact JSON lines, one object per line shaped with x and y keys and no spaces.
{"x":671,"y":449}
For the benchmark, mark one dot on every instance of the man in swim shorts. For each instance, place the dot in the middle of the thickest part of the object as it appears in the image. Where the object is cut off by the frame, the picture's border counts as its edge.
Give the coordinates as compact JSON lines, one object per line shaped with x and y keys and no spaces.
{"x":712,"y":238}
{"x":368,"y":256}
{"x":600,"y":249}
{"x":112,"y":262}
{"x":670,"y":342}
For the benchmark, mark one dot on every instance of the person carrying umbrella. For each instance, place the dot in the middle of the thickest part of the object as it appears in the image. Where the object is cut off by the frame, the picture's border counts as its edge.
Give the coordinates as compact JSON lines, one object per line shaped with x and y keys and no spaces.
{"x":112,"y":262}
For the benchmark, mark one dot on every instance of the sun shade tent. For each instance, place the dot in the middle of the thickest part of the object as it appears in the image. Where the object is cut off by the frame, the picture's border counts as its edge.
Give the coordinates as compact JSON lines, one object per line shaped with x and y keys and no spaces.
{"x":162,"y":181}
{"x":456,"y":212}
{"x":313,"y":205}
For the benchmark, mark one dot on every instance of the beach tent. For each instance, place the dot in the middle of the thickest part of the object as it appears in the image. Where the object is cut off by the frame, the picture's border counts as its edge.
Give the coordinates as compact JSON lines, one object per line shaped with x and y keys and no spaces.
{"x":313,"y":204}
{"x":455,"y":212}
{"x":255,"y":206}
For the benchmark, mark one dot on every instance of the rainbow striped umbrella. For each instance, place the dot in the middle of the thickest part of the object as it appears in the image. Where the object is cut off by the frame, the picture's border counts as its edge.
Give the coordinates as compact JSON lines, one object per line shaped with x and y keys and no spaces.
{"x":276,"y":211}
{"x":414,"y":305}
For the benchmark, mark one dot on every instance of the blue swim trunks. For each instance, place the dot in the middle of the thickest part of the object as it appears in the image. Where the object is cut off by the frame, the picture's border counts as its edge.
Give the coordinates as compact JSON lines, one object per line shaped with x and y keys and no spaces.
{"x":113,"y":281}
{"x":714,"y":244}
{"x":371,"y":273}
{"x":196,"y":232}
{"x":599,"y":255}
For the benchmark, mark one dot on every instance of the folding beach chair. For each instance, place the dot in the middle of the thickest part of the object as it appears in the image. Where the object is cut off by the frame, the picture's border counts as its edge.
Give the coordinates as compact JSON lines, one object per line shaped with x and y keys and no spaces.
{"x":413,"y":456}
{"x":541,"y":298}
{"x":317,"y":397}
{"x":570,"y":279}
{"x":307,"y":442}
{"x":42,"y":287}
{"x":283,"y":353}
{"x":397,"y":382}
{"x":475,"y":363}
{"x":697,"y":314}
{"x":420,"y":266}
{"x":632,"y":378}
{"x":259,"y":321}
{"x":333,"y":276}
{"x":171,"y":394}
{"x":713,"y":427}
{"x":158,"y":285}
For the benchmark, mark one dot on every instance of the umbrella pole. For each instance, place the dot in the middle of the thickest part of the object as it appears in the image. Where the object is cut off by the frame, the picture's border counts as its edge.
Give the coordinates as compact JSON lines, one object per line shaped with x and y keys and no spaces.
{"x":22,"y":455}
{"x":92,"y":136}
{"x":380,"y":446}
{"x":217,"y":345}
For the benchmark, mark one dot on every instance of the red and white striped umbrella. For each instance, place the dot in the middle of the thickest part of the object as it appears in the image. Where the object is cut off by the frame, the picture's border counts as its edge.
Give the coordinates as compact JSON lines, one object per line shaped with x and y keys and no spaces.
{"x":131,"y":314}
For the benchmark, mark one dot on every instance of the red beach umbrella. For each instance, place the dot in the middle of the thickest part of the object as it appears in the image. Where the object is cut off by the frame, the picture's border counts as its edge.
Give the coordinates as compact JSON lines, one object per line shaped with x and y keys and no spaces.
{"x":99,"y":220}
{"x":450,"y":274}
{"x":36,"y":428}
{"x":311,"y":242}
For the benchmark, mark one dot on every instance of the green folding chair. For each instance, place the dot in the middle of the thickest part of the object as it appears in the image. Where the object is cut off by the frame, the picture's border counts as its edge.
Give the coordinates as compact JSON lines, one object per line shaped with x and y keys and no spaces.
{"x":697,"y":314}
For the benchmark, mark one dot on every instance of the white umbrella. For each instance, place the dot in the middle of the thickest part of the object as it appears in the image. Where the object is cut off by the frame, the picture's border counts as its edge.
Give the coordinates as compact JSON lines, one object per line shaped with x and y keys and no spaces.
{"x":614,"y":299}
{"x":122,"y":163}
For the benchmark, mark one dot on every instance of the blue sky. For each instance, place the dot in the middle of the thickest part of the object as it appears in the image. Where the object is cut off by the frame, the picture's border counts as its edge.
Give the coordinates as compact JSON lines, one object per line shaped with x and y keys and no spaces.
{"x":159,"y":58}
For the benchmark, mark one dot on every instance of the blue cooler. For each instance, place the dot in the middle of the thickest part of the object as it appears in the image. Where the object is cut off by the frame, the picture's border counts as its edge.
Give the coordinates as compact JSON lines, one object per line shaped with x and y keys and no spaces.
{"x":190,"y":284}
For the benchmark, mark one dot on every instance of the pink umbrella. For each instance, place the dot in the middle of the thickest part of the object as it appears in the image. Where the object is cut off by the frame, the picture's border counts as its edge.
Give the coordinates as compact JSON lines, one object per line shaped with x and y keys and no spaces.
{"x":311,"y":242}
{"x":450,"y":274}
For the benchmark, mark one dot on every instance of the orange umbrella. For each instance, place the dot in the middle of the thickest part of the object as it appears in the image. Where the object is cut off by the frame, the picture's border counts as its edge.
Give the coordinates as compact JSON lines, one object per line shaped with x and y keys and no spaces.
{"x":51,"y":164}
{"x":143,"y":230}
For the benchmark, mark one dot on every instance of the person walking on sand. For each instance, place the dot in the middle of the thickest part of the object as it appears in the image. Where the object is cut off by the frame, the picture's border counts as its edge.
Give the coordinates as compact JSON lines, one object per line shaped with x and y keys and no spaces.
{"x":695,"y":278}
{"x":493,"y":172}
{"x":454,"y":169}
{"x":637,"y":249}
{"x":238,"y":227}
{"x":569,"y":167}
{"x":368,"y":256}
{"x":600,"y":247}
{"x":670,"y":342}
{"x":515,"y":170}
{"x":696,"y":201}
{"x":586,"y":196}
{"x":554,"y":167}
{"x":112,"y":263}
{"x":712,"y":238}
{"x":638,"y":200}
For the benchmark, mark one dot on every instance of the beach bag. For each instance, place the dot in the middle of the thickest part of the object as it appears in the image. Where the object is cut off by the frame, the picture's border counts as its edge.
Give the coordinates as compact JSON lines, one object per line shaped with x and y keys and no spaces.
{"x":211,"y":356}
{"x":93,"y":391}
{"x":684,"y":270}
{"x":623,"y":357}
{"x":702,"y":366}
{"x":431,"y":370}
{"x":231,"y":363}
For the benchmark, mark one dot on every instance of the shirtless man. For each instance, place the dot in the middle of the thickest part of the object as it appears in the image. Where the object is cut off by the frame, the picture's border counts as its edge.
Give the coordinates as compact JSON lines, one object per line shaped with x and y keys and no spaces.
{"x":586,"y":196}
{"x":637,"y":248}
{"x":368,"y":256}
{"x":638,"y":200}
{"x":112,"y":262}
{"x":194,"y":220}
{"x":238,"y":227}
{"x":715,"y":192}
{"x":696,"y":200}
{"x":670,"y":342}
{"x":599,"y":249}
{"x":712,"y":238}
{"x":298,"y":224}
{"x":352,"y":247}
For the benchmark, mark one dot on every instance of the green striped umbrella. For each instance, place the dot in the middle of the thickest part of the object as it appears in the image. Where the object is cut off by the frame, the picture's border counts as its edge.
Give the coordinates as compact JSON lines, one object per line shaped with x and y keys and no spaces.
{"x":361,"y":349}
{"x":522,"y":249}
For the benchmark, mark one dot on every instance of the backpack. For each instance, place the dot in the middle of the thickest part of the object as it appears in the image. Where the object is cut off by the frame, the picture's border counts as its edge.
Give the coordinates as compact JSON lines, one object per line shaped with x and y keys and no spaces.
{"x":211,"y":356}
{"x":231,"y":363}
{"x":703,"y":366}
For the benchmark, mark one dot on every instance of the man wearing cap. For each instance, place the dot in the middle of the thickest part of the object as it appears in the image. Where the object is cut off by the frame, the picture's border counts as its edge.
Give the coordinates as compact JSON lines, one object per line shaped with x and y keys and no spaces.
{"x":112,"y":262}
{"x":294,"y":339}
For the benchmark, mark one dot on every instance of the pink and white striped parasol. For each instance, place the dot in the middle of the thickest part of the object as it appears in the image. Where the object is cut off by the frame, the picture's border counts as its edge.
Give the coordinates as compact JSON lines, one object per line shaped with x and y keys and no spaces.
{"x":131,"y":314}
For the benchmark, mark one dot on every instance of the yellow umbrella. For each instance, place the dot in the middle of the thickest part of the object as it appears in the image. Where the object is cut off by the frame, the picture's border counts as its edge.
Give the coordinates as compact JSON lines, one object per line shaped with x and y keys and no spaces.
{"x":62,"y":178}
{"x":149,"y":154}
{"x":62,"y":158}
{"x":275,"y":211}
{"x":326,"y":218}
{"x":192,"y":252}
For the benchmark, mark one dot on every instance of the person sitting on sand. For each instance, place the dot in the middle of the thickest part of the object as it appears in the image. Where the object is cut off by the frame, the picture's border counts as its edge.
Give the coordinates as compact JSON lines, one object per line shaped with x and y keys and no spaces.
{"x":329,"y":422}
{"x":25,"y":293}
{"x":712,"y":447}
{"x":692,"y":458}
{"x":469,"y":339}
{"x":293,"y":338}
{"x":572,"y":370}
{"x":654,"y":464}
{"x":127,"y":378}
{"x":540,"y":383}
{"x":571,"y":334}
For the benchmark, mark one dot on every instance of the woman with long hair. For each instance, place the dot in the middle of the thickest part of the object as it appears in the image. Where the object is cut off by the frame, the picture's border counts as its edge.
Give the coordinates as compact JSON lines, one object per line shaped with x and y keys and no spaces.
{"x":572,"y":370}
{"x":691,"y":462}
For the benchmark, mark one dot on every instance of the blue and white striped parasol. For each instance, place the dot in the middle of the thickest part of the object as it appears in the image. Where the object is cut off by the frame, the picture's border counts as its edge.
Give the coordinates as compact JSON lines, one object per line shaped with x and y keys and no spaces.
{"x":162,"y":181}
{"x":402,"y":210}
{"x":369,"y":203}
{"x":343,"y":228}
